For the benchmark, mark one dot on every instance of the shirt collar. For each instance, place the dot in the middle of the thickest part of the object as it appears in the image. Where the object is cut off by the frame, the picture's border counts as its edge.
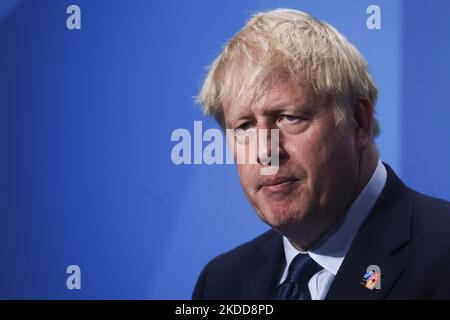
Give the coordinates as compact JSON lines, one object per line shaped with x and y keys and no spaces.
{"x":334,"y":245}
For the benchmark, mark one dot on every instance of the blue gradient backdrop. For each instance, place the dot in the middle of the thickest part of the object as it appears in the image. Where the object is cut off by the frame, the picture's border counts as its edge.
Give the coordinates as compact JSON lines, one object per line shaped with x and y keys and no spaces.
{"x":86,"y":116}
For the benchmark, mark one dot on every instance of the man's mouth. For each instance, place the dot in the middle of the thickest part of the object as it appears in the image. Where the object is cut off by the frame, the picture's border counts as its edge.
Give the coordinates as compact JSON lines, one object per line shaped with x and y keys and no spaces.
{"x":279,"y":184}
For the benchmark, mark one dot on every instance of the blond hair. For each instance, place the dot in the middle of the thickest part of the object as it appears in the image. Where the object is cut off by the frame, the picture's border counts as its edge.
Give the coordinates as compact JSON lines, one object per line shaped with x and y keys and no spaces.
{"x":286,"y":42}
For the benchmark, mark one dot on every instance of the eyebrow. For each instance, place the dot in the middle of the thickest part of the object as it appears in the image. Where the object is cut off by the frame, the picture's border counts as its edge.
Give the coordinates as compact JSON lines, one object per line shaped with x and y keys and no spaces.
{"x":307,"y":109}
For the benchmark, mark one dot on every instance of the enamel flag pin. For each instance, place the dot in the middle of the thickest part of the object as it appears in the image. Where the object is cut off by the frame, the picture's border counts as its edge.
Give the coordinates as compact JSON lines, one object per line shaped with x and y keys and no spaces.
{"x":372,"y":278}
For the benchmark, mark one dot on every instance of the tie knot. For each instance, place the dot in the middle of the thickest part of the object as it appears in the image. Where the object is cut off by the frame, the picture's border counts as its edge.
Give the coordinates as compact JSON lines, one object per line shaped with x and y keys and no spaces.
{"x":295,"y":287}
{"x":302,"y":268}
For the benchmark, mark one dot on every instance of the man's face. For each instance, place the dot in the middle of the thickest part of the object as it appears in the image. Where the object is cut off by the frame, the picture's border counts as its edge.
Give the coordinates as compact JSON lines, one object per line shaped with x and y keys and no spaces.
{"x":318,"y":162}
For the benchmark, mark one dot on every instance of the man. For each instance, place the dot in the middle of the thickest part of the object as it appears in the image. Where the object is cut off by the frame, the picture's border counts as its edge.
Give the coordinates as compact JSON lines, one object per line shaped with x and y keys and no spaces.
{"x":343,"y":225}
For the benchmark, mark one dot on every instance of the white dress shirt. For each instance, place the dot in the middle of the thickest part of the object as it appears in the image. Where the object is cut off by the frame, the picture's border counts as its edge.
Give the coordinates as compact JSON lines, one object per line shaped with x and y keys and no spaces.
{"x":334,"y":245}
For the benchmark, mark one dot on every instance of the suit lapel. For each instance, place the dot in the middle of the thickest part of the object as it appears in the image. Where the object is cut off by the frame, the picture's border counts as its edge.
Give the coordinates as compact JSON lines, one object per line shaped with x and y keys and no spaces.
{"x":382,"y":241}
{"x":261,"y":281}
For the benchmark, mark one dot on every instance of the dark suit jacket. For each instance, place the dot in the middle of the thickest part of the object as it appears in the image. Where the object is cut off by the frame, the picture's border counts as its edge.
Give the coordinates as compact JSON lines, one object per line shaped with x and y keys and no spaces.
{"x":407,"y":234}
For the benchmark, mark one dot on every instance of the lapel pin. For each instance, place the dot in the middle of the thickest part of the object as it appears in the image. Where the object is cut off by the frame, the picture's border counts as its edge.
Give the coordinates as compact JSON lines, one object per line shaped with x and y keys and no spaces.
{"x":372,"y":278}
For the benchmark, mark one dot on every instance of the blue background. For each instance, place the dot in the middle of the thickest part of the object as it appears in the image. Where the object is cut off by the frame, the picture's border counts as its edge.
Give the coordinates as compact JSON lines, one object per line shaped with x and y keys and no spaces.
{"x":86,"y":117}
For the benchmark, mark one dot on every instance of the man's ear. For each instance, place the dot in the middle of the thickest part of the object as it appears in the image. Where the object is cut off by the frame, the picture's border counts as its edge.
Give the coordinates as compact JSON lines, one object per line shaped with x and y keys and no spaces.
{"x":363,"y":116}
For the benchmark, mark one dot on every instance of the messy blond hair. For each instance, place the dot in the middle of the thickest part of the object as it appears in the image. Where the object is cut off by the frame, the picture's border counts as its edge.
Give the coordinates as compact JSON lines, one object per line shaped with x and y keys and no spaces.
{"x":286,"y":42}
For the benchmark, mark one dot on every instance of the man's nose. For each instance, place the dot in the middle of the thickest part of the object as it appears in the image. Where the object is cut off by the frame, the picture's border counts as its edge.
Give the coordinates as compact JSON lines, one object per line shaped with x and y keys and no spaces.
{"x":269,"y":145}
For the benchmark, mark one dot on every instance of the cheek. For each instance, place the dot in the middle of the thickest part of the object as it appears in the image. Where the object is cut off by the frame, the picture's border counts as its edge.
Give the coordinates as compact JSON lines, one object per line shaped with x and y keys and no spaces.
{"x":329,"y":165}
{"x":309,"y":152}
{"x":246,"y":176}
{"x":319,"y":153}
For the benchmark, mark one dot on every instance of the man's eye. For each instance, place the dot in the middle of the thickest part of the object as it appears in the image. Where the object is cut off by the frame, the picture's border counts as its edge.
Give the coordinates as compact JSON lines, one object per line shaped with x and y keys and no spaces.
{"x":288,"y":118}
{"x":243,"y":127}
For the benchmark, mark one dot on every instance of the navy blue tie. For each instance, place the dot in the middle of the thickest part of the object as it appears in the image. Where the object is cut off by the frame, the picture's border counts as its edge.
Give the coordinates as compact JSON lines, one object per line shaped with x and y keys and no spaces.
{"x":295,"y":287}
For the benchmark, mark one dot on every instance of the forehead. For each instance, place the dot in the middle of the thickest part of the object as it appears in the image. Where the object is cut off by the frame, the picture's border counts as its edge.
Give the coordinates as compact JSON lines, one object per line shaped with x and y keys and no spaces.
{"x":281,"y":94}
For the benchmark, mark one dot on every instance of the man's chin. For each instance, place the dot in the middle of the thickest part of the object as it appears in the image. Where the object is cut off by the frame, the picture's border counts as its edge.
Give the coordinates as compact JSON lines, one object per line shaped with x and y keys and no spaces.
{"x":280,"y":220}
{"x":284,"y":218}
